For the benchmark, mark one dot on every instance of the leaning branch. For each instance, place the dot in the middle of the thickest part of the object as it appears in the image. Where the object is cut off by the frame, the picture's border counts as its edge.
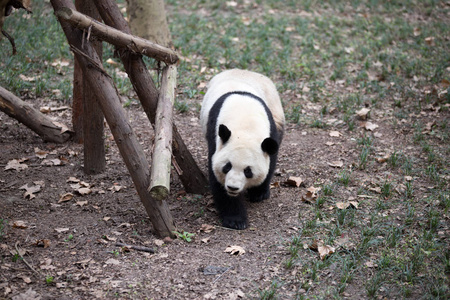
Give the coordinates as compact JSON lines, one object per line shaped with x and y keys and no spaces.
{"x":32,"y":118}
{"x":116,"y":37}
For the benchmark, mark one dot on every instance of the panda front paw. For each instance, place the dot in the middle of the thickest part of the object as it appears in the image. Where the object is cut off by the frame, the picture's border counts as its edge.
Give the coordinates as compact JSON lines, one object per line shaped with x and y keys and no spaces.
{"x":258,"y":196}
{"x":235,"y":222}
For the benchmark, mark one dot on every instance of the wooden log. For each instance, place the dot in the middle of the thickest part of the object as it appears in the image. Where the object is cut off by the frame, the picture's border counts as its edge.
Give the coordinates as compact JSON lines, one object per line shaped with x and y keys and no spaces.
{"x":194,"y":181}
{"x":32,"y":118}
{"x":116,"y":37}
{"x":93,"y":131}
{"x":129,"y":147}
{"x":162,"y":151}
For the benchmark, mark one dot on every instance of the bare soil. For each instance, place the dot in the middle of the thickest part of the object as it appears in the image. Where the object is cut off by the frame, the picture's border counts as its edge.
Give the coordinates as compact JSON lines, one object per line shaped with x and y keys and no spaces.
{"x":80,"y":259}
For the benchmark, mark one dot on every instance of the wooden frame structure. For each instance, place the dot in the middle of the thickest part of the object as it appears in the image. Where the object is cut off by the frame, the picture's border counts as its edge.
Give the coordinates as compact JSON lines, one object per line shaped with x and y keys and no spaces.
{"x":152,"y":184}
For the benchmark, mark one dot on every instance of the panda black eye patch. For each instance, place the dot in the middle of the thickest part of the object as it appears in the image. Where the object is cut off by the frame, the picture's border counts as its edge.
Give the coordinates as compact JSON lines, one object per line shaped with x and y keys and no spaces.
{"x":248,"y":172}
{"x":226,"y":168}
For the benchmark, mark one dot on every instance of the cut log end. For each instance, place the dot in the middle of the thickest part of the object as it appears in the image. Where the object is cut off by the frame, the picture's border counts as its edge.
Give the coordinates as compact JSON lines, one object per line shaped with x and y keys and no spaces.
{"x":159,"y":192}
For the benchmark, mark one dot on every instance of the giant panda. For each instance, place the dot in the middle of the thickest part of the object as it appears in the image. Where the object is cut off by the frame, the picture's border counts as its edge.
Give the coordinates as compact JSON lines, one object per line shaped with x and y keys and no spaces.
{"x":243,"y":121}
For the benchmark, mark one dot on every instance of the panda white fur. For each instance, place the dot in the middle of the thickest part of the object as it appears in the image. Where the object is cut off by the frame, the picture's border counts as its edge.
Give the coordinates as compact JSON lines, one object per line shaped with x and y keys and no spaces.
{"x":243,"y":121}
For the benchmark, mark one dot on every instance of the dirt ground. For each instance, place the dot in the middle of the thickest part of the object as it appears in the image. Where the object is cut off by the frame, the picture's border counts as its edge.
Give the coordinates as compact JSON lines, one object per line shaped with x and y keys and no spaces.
{"x":67,"y":248}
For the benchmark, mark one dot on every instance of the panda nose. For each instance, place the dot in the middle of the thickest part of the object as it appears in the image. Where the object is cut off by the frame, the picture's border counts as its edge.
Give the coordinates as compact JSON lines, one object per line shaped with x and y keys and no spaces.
{"x":232,"y":188}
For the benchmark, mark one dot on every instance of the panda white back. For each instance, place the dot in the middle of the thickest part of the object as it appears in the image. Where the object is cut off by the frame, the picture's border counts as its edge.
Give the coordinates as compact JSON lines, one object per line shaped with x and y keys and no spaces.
{"x":246,"y":81}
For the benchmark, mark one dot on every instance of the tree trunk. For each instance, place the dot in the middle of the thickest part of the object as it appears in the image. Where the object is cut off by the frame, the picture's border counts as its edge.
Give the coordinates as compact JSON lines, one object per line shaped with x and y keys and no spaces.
{"x":92,"y":115}
{"x":148,"y":21}
{"x":129,"y":147}
{"x":32,"y":118}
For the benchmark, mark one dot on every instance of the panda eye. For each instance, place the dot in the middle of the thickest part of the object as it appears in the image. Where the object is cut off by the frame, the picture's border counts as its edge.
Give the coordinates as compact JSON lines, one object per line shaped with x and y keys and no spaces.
{"x":248,"y":172}
{"x":226,"y":168}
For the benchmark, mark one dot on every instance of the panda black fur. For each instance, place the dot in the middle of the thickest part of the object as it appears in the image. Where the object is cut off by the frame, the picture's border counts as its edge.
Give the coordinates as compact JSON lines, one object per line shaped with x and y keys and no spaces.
{"x":243,"y":121}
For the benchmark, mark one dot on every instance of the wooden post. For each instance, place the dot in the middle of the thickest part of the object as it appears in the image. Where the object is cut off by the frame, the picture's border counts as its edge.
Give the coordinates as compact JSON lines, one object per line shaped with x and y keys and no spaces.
{"x":92,"y":115}
{"x":129,"y":147}
{"x":194,"y":181}
{"x":162,"y":151}
{"x":32,"y":118}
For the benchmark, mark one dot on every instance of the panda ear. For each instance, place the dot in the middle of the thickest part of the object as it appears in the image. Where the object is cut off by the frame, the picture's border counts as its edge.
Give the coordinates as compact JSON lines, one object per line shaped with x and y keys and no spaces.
{"x":224,"y":133}
{"x":270,"y":146}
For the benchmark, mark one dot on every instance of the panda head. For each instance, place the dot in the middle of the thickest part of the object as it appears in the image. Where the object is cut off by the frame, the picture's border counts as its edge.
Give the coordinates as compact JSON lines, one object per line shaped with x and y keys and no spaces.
{"x":241,"y":162}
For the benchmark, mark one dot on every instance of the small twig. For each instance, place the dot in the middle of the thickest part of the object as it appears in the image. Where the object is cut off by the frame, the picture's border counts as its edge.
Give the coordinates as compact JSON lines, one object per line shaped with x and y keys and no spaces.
{"x":11,"y":40}
{"x":91,"y":61}
{"x":222,"y":274}
{"x":23,"y":259}
{"x":89,"y":33}
{"x":176,"y":166}
{"x":138,"y":248}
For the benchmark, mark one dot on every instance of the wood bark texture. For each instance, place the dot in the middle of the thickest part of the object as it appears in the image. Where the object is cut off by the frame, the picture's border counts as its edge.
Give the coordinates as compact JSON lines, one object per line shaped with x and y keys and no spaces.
{"x":194,"y":181}
{"x":129,"y":147}
{"x":162,"y":151}
{"x":93,"y":131}
{"x":148,"y":20}
{"x":116,"y":37}
{"x":32,"y":118}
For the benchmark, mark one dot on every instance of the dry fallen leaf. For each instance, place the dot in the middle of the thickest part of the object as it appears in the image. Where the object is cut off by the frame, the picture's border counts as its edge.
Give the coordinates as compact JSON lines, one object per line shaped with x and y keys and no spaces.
{"x":355,"y":204}
{"x":325,"y":250}
{"x":20,"y":225}
{"x":28,"y":78}
{"x":207,"y":228}
{"x":116,"y":188}
{"x":429,"y":41}
{"x":336,"y":164}
{"x":30,"y":190}
{"x":362,"y":113}
{"x":408,"y":178}
{"x":43,"y":243}
{"x":40,"y":153}
{"x":65,"y":197}
{"x":235,"y":250}
{"x":294,"y":181}
{"x":370,"y":126}
{"x":73,"y":179}
{"x":342,"y":205}
{"x":345,"y":205}
{"x":309,"y":197}
{"x":46,"y":264}
{"x":202,"y":85}
{"x":158,"y":242}
{"x":112,"y":261}
{"x":81,"y":203}
{"x":15,"y":165}
{"x":84,"y":191}
{"x":370,"y":264}
{"x":52,"y":162}
{"x":335,"y":133}
{"x":383,"y":159}
{"x":61,"y":230}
